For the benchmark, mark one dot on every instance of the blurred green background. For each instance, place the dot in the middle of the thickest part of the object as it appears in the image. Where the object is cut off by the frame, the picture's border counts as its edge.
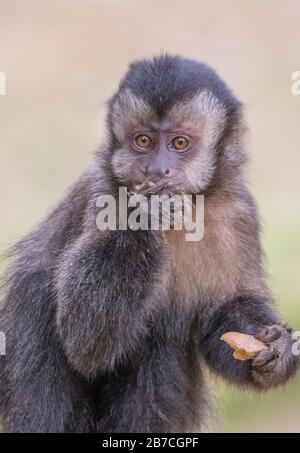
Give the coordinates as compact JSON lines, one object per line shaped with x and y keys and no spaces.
{"x":63,"y":59}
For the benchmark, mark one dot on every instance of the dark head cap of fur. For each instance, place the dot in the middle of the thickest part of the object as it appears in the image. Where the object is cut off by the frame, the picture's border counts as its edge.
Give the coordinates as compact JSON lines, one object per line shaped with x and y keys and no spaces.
{"x":166,"y":80}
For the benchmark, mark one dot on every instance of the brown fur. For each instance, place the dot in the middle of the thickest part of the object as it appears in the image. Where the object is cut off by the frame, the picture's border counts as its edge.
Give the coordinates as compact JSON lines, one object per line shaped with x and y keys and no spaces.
{"x":208,"y":268}
{"x":110,"y":331}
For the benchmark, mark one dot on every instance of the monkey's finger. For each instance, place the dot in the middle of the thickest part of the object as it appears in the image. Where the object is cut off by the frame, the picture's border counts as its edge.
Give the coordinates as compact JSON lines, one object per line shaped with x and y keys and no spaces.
{"x":264,"y":357}
{"x":270,"y":333}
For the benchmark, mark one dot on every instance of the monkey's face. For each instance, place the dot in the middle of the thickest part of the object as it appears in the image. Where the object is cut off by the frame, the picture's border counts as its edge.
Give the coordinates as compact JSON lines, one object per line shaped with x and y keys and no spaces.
{"x":173,"y":154}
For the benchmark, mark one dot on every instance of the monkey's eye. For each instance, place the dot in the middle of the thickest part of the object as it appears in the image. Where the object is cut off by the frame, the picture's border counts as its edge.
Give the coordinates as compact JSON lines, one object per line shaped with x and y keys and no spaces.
{"x":143,"y":141}
{"x":180,"y":143}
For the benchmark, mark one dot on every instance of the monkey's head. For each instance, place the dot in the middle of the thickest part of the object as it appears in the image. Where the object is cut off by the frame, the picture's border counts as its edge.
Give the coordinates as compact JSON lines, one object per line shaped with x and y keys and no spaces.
{"x":174,"y":124}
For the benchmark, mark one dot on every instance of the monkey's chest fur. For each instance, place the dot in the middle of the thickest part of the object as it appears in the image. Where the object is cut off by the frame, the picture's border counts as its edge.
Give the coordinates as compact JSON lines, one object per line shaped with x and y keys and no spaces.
{"x":197,"y":275}
{"x":203,"y":270}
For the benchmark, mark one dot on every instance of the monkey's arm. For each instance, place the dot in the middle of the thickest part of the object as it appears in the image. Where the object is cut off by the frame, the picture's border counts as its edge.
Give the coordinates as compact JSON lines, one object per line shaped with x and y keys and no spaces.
{"x":254,"y":316}
{"x":38,"y":391}
{"x":102,"y":287}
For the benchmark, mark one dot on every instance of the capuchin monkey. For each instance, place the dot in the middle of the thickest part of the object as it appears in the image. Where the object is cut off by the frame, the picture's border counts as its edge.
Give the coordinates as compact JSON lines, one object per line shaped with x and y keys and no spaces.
{"x":112,"y":331}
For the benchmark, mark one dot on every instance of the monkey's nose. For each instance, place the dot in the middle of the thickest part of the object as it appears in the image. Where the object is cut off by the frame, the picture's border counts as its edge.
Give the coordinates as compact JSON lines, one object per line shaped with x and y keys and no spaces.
{"x":155,"y":173}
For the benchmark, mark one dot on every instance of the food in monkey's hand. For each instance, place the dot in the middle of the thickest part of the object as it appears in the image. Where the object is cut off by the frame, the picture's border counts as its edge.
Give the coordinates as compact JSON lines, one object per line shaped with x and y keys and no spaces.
{"x":245,"y":346}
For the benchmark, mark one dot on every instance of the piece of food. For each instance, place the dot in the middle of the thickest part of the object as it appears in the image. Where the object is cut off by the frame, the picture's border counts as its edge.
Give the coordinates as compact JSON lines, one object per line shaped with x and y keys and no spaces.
{"x":144,"y":186}
{"x":140,"y":187}
{"x":245,"y":346}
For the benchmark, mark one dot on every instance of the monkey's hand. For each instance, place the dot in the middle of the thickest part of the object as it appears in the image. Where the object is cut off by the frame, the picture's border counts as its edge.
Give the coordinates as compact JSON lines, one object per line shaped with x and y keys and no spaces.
{"x":276,"y":364}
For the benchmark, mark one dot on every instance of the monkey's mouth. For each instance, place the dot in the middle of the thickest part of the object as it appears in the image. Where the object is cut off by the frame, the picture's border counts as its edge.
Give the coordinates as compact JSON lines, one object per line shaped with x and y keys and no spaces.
{"x":164,"y":213}
{"x":149,"y":187}
{"x":156,"y":188}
